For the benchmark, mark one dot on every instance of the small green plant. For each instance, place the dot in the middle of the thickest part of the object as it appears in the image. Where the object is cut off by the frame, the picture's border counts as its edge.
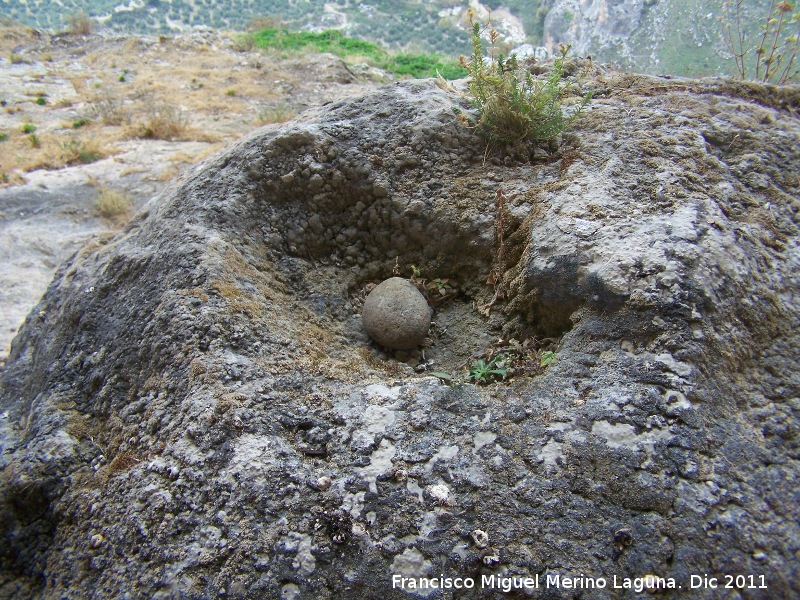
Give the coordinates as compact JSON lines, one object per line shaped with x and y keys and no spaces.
{"x":482,"y":371}
{"x":28,"y":128}
{"x":80,"y":123}
{"x":774,"y":59}
{"x":41,"y":100}
{"x":35,"y":141}
{"x":3,"y":136}
{"x":547,"y":358}
{"x":513,"y":106}
{"x":122,"y":78}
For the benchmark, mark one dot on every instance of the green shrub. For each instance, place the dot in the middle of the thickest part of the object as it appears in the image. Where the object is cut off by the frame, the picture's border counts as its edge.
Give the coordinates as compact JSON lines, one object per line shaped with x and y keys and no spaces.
{"x":421,"y":66}
{"x":774,"y":58}
{"x":512,"y":105}
{"x":3,"y":136}
{"x":80,"y":123}
{"x":28,"y":128}
{"x":41,"y":100}
{"x":326,"y":41}
{"x":80,"y":24}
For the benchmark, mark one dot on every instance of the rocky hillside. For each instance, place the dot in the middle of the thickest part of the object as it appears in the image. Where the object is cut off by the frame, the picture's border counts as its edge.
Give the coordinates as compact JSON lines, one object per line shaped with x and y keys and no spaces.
{"x":194,"y":410}
{"x":653,"y":36}
{"x":92,"y":127}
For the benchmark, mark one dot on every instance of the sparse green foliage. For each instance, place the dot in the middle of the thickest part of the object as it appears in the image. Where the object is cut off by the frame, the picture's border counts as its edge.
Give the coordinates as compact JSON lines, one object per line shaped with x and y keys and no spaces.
{"x":34,"y":140}
{"x":28,"y":128}
{"x":547,"y":358}
{"x":774,"y":58}
{"x":482,"y":371}
{"x":80,"y":123}
{"x":41,"y":100}
{"x":513,"y":106}
{"x":411,"y":65}
{"x":3,"y":136}
{"x":504,"y":360}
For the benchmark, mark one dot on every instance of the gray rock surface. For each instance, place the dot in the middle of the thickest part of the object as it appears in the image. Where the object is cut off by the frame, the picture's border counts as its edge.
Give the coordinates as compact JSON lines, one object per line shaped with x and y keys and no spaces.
{"x":193,"y":410}
{"x":396,"y":314}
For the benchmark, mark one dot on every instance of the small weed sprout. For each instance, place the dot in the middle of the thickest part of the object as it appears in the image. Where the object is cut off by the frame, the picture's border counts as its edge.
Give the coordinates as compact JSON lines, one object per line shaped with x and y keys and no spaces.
{"x":547,"y":358}
{"x":512,"y":105}
{"x":504,"y":360}
{"x":28,"y":128}
{"x":482,"y":371}
{"x":41,"y":100}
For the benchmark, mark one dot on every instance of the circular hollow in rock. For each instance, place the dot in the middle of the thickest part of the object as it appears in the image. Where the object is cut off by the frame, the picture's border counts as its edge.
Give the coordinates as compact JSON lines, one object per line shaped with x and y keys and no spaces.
{"x":396,"y":315}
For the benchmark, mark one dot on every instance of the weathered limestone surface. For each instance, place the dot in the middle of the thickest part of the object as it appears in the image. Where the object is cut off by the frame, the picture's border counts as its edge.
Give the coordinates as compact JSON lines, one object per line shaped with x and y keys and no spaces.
{"x":194,"y":410}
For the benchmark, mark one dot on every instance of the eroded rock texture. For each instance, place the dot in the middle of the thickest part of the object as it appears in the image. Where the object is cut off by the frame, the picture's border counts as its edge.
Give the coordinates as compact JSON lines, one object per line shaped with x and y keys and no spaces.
{"x":194,"y":411}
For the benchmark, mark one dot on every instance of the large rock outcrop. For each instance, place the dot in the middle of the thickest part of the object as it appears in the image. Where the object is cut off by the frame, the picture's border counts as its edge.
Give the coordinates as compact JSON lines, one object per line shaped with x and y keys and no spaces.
{"x":194,"y":411}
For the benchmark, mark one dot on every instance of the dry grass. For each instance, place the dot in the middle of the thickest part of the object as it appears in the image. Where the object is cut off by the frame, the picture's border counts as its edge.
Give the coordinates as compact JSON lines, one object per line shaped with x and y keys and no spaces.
{"x":80,"y":24}
{"x":164,"y":122}
{"x":112,"y":203}
{"x":36,"y":150}
{"x":279,"y":113}
{"x":110,"y":111}
{"x":13,"y":35}
{"x":167,"y":122}
{"x":129,"y":89}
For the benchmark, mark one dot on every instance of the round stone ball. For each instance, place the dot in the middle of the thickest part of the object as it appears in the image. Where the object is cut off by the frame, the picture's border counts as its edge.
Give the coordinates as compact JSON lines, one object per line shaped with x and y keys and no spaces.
{"x":396,"y":315}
